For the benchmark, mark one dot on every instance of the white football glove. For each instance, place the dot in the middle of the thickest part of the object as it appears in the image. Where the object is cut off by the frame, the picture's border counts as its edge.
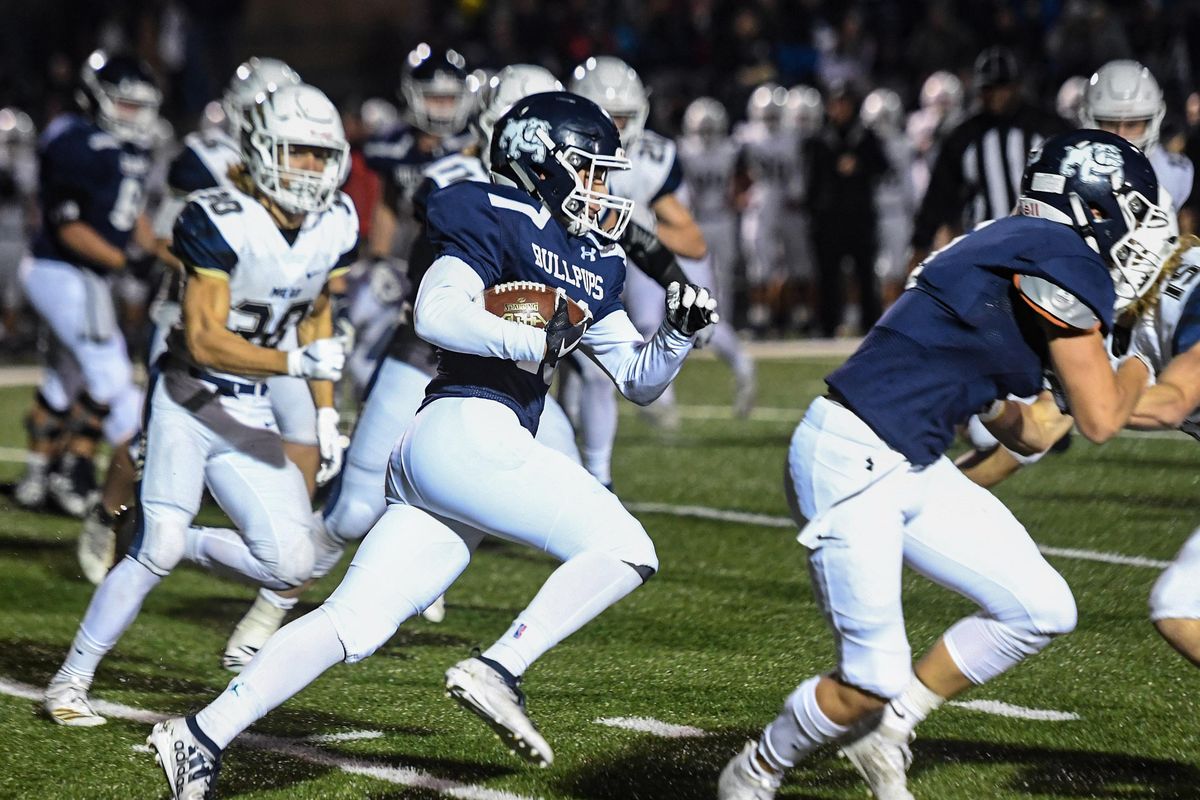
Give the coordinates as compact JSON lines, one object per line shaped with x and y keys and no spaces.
{"x":329,"y":442}
{"x":321,"y":360}
{"x":690,"y":308}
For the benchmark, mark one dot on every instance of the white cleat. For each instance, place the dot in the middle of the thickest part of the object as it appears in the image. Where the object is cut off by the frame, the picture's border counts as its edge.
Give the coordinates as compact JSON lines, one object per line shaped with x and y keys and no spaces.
{"x":744,"y":779}
{"x":483,"y":691}
{"x":251,"y":633}
{"x":191,"y":767}
{"x":66,"y":702}
{"x":436,"y":612}
{"x":97,"y":546}
{"x":883,"y":761}
{"x":30,"y":491}
{"x":745,"y":396}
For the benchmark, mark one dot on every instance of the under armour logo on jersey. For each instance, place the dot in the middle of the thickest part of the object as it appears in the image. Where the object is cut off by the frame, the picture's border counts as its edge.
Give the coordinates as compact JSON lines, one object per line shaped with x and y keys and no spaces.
{"x":526,"y":136}
{"x":870,"y":464}
{"x":587,"y":253}
{"x":1094,"y":162}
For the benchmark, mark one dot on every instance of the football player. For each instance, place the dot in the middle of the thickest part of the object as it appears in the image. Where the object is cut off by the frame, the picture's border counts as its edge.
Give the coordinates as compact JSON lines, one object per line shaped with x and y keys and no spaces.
{"x":468,"y":465}
{"x":93,"y":169}
{"x":663,"y":240}
{"x":438,"y":102}
{"x":259,"y":258}
{"x":203,"y":163}
{"x":941,"y":111}
{"x":883,"y":113}
{"x":775,"y":228}
{"x":869,"y":480}
{"x":18,"y":204}
{"x":1123,"y":97}
{"x":397,"y":388}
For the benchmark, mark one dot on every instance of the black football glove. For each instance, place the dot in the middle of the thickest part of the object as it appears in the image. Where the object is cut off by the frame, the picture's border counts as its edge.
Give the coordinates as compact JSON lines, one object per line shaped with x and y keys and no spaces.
{"x":561,"y":336}
{"x":645,"y":249}
{"x":690,"y":308}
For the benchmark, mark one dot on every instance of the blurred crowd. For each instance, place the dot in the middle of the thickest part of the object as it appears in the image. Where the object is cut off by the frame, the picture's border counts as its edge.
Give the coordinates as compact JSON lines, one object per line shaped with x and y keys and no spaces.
{"x":831,"y":116}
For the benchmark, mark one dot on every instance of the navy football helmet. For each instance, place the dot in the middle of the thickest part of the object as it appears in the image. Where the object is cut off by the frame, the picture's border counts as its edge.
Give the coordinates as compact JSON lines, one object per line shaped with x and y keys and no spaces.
{"x":433,"y":85}
{"x":544,"y":143}
{"x":120,"y":94}
{"x":1105,"y":189}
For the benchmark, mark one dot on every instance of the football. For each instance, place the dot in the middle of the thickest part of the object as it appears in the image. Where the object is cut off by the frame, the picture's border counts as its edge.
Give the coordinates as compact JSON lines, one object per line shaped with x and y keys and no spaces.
{"x":528,"y":303}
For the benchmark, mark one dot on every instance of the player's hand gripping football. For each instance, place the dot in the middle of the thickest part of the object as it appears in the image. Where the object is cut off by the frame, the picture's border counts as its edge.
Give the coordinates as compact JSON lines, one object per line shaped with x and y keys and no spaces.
{"x":561,"y":336}
{"x":330,"y":443}
{"x":690,"y":308}
{"x":321,"y":360}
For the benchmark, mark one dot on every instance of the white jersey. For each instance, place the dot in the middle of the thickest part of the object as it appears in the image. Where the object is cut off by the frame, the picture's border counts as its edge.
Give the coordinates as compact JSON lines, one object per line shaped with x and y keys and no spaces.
{"x":273,"y":282}
{"x":708,"y":174}
{"x":774,"y":163}
{"x":654,"y":172}
{"x":1175,"y":174}
{"x":1175,"y":326}
{"x":203,"y":163}
{"x":894,"y":195}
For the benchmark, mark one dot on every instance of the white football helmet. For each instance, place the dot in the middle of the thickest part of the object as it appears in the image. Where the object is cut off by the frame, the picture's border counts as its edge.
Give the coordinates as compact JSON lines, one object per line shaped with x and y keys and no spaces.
{"x":16,"y":127}
{"x":767,"y":104}
{"x":378,"y":115}
{"x":1069,"y":101}
{"x":882,"y":111}
{"x":290,"y":118}
{"x":614,"y":86}
{"x":804,"y":110}
{"x":944,"y":91}
{"x":1124,"y":90}
{"x":500,"y":93}
{"x":253,"y":77}
{"x":706,"y":119}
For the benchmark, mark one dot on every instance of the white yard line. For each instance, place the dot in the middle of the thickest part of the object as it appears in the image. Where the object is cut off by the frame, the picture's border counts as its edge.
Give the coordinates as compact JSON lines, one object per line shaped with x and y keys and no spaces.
{"x":1002,"y":709}
{"x":345,"y":736}
{"x":653,"y":726}
{"x":399,"y":776}
{"x":768,"y":521}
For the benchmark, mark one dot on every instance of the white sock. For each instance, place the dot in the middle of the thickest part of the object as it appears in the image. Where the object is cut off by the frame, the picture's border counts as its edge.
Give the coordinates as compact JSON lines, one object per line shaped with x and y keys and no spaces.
{"x":225,"y":552}
{"x":573,"y":595}
{"x":275,"y":600}
{"x":905,"y":712}
{"x":113,"y":608}
{"x":800,"y":728}
{"x":36,"y":463}
{"x":291,"y":659}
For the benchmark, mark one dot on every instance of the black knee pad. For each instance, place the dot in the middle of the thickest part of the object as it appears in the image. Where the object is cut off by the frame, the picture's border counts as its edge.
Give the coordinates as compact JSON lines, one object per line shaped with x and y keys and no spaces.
{"x":52,"y":426}
{"x":87,"y":417}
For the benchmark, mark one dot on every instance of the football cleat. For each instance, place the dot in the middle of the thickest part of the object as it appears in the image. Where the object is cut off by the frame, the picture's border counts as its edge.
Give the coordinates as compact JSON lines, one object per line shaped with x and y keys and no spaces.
{"x":484,"y":692}
{"x":251,"y":633}
{"x":745,"y":396}
{"x":744,"y":779}
{"x":436,"y":612}
{"x":30,"y":491}
{"x":883,"y":761}
{"x":190,"y":762}
{"x":97,"y":546}
{"x":66,"y":702}
{"x":72,"y":485}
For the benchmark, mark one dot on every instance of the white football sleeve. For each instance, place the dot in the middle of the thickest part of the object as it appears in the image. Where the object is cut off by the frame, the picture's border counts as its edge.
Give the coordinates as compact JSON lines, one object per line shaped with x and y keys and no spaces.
{"x":641,"y":370}
{"x":447,"y":316}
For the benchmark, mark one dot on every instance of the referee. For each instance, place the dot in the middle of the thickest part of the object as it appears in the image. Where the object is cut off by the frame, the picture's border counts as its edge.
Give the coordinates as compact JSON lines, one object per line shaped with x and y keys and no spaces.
{"x":978,"y":170}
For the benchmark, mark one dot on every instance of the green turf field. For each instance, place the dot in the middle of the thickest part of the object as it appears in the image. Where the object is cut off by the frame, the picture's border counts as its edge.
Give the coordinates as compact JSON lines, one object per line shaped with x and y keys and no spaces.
{"x":715,"y":642}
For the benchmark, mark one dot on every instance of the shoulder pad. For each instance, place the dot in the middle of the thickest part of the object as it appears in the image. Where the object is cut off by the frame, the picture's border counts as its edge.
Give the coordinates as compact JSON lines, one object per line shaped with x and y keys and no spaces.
{"x":1055,"y":303}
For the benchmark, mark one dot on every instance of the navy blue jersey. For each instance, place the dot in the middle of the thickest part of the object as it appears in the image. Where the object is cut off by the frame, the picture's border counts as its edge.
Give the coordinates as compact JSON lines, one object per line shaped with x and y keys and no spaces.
{"x":506,"y":235}
{"x":399,"y":160}
{"x":87,"y":176}
{"x":963,"y":336}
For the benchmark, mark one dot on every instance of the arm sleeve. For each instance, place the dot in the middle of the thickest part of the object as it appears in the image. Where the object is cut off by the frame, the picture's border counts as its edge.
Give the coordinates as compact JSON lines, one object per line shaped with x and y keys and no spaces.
{"x":647,"y":251}
{"x":447,"y":316}
{"x":641,"y":370}
{"x":200,"y":245}
{"x":463,"y":226}
{"x":937,"y":207}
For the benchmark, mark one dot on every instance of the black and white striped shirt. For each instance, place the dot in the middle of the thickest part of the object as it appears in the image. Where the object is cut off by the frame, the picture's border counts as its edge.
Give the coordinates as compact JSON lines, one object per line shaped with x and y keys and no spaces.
{"x":978,"y":171}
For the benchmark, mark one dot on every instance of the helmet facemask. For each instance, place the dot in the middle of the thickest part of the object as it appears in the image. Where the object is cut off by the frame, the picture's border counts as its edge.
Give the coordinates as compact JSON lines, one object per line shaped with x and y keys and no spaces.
{"x":1137,"y":258}
{"x":127,"y":110}
{"x":580,"y":201}
{"x":296,"y":190}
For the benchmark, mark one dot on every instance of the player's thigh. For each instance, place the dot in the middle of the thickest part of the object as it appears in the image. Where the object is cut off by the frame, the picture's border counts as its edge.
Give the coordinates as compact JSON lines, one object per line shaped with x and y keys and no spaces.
{"x":555,"y":430}
{"x":408,"y":559}
{"x":960,"y":536}
{"x":107,"y":371}
{"x":292,"y":404}
{"x":1176,"y":594}
{"x":263,"y":493}
{"x":57,"y":293}
{"x":796,"y":241}
{"x":469,"y":459}
{"x":175,"y":451}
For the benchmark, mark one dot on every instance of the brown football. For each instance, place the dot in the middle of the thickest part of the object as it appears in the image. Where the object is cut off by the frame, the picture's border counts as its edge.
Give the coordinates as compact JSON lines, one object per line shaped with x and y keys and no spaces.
{"x":528,"y":303}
